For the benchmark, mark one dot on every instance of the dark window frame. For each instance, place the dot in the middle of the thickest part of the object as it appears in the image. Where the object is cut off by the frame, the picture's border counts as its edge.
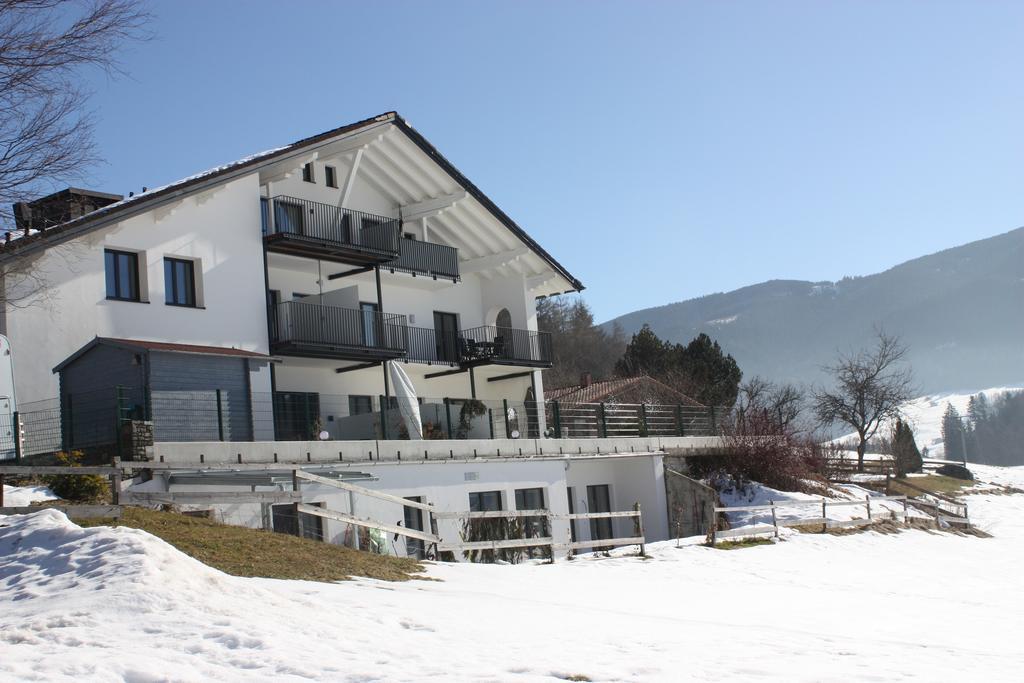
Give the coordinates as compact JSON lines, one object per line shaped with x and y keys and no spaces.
{"x":356,"y":406}
{"x":190,"y":292}
{"x":331,"y":176}
{"x":307,"y":173}
{"x":477,"y":500}
{"x":134,"y":280}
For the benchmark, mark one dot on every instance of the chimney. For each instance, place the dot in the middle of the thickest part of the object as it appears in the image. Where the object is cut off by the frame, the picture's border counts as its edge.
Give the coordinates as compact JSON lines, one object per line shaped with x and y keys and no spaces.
{"x":60,"y":207}
{"x":585,"y":380}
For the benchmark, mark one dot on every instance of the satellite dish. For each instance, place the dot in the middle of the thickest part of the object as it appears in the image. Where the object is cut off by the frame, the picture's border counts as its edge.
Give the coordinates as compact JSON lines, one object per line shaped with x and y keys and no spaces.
{"x":324,"y":435}
{"x":515,"y":433}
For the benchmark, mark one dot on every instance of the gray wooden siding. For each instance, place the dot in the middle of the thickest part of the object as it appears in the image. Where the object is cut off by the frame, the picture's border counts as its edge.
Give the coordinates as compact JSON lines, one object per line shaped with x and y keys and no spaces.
{"x":183,"y":396}
{"x":88,"y":397}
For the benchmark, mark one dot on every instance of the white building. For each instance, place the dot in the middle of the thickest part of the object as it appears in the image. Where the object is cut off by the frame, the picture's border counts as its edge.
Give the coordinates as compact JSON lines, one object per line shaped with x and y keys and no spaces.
{"x":366,"y":242}
{"x":251,"y":310}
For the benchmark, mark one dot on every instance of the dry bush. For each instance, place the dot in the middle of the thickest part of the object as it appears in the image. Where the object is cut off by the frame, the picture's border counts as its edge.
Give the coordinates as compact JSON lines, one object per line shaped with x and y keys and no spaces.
{"x":759,"y":448}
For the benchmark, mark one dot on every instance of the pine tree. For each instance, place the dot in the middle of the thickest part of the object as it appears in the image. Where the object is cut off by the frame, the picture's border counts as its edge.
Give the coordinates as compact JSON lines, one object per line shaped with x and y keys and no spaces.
{"x":700,"y":369}
{"x":952,"y":433}
{"x":904,"y":449}
{"x":978,"y":409}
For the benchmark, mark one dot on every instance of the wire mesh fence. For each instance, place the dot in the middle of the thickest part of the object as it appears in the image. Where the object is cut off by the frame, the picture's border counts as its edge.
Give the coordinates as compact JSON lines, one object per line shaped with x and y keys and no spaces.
{"x":110,"y":419}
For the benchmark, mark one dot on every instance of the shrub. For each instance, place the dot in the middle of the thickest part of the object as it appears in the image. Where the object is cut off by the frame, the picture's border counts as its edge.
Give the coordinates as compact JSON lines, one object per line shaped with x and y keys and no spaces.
{"x":758,"y":448}
{"x":81,"y":488}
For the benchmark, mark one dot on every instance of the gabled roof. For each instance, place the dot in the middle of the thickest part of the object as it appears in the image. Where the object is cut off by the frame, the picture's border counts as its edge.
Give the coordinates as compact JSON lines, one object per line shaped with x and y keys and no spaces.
{"x":148,"y":200}
{"x":595,"y":392}
{"x":144,"y":345}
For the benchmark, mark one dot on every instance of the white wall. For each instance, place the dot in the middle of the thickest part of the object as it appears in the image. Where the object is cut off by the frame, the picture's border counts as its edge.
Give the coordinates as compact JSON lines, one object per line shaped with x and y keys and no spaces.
{"x":447,"y":485}
{"x":220,"y":230}
{"x":632,"y":479}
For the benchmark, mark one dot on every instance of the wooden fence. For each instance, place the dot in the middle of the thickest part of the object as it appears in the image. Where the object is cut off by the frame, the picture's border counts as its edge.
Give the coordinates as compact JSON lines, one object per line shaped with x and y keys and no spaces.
{"x":824,"y":521}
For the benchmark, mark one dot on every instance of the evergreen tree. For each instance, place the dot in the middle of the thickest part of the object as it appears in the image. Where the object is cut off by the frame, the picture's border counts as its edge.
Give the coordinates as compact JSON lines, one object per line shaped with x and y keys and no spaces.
{"x":714,"y":375}
{"x":700,"y":369}
{"x":578,"y":345}
{"x":904,"y":449}
{"x":952,"y":433}
{"x":978,"y":409}
{"x":646,"y":354}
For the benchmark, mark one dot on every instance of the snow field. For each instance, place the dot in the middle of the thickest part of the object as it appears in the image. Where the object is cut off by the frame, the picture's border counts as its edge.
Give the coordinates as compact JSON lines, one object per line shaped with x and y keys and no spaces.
{"x":107,"y":604}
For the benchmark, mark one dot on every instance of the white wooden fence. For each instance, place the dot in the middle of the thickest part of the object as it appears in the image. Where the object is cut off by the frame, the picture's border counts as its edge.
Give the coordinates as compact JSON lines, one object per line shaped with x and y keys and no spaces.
{"x":824,"y":521}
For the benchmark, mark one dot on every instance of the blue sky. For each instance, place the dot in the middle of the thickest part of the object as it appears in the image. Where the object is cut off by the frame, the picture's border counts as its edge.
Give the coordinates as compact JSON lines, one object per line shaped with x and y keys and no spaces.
{"x":660,"y":151}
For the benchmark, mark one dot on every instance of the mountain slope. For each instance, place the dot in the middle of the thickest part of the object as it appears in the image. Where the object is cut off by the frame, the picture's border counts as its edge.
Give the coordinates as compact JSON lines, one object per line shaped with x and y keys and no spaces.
{"x":961,"y":312}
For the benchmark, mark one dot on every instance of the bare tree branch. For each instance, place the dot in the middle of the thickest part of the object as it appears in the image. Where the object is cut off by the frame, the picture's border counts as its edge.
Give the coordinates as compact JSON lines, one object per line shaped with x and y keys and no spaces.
{"x":871,"y":386}
{"x":46,"y":130}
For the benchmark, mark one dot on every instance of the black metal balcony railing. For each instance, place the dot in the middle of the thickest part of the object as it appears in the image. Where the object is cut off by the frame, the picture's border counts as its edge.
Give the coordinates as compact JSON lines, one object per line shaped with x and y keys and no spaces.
{"x":427,"y":346}
{"x":426,"y":258}
{"x":505,"y":344}
{"x":311,"y":228}
{"x":480,"y":345}
{"x":319,"y":330}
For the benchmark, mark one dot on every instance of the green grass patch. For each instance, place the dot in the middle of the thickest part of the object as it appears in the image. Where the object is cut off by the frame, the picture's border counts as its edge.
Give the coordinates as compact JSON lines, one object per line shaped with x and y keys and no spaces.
{"x":254,"y":552}
{"x":933,"y":483}
{"x":743,"y":543}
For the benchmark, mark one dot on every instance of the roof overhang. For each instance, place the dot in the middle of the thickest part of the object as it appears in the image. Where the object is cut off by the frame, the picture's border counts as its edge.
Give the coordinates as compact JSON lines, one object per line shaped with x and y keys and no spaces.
{"x":394,"y":158}
{"x":161,"y":347}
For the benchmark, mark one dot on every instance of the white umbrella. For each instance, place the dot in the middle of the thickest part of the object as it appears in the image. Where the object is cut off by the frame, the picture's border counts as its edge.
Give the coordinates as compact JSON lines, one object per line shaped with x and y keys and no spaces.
{"x":405,"y":393}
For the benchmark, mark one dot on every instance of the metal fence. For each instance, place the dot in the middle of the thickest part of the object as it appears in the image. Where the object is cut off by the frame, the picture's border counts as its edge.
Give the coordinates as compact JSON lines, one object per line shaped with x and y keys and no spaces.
{"x":111,"y":418}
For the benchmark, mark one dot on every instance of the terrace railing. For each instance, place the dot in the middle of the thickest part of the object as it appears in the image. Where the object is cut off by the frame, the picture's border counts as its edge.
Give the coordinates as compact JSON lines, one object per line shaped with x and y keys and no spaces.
{"x":506,"y":344}
{"x":426,"y":258}
{"x":332,"y":228}
{"x":304,"y":326}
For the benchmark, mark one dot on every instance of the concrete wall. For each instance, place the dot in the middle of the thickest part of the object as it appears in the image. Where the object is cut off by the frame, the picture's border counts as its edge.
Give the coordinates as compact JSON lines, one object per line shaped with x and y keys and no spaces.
{"x":691,"y":504}
{"x":393,"y":450}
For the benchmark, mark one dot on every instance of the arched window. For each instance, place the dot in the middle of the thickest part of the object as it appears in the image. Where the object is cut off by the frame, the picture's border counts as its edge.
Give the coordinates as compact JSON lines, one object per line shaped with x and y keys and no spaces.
{"x":504,"y":319}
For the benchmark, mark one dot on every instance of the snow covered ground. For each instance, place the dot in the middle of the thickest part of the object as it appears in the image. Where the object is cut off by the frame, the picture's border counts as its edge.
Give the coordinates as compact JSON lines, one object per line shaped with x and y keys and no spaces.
{"x":19,"y":496}
{"x":792,"y":507}
{"x":106,"y":604}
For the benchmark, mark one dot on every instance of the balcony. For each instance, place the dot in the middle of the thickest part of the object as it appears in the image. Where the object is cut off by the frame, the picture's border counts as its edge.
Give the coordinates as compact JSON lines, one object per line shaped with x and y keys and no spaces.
{"x":426,"y":258}
{"x":319,"y":331}
{"x":315,"y":230}
{"x":480,"y":346}
{"x":505,"y":346}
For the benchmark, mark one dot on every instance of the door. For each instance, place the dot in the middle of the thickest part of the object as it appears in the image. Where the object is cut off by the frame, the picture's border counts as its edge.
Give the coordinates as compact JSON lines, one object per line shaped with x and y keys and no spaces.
{"x":446,"y":332}
{"x":288,"y":217}
{"x":599,"y":500}
{"x":414,"y":520}
{"x":273,"y":313}
{"x":368,"y":312}
{"x":296,"y":415}
{"x":533,"y":527}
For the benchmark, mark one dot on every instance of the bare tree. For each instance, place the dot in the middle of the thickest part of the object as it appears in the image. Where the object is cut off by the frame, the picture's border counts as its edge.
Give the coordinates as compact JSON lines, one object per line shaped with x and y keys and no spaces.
{"x":871,"y":386}
{"x":46,"y":130}
{"x":780,"y":403}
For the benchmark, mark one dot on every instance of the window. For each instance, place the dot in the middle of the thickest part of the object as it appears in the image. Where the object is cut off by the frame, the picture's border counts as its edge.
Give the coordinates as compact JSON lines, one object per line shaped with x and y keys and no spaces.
{"x":409,"y":235}
{"x":122,"y":269}
{"x":330,"y":176}
{"x":533,"y":527}
{"x":360,"y":405}
{"x":307,"y":173}
{"x":485,"y":501}
{"x":179,"y":282}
